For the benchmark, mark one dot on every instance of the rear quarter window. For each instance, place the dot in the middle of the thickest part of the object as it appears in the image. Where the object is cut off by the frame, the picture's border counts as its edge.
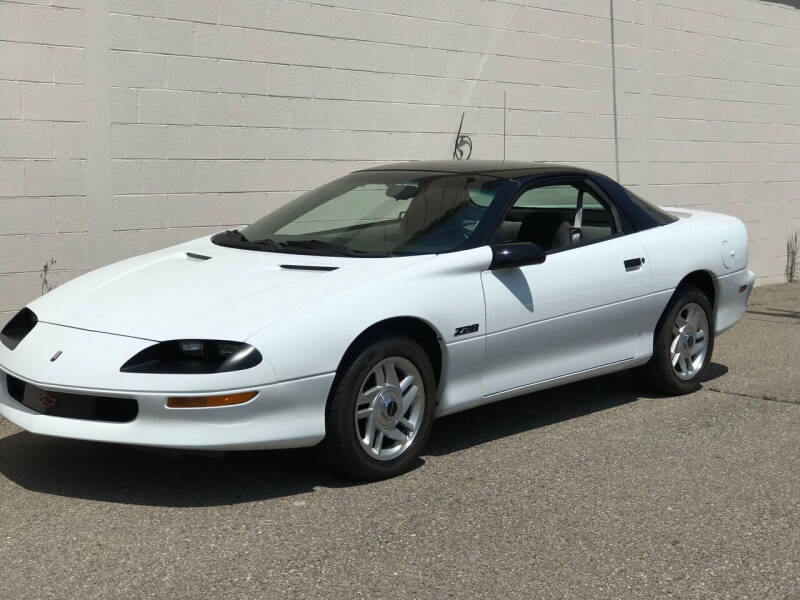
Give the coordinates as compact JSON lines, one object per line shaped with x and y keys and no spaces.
{"x":662,"y":217}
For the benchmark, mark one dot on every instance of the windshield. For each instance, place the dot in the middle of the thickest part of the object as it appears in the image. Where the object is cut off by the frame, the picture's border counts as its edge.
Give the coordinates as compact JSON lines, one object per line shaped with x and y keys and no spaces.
{"x":377,"y":213}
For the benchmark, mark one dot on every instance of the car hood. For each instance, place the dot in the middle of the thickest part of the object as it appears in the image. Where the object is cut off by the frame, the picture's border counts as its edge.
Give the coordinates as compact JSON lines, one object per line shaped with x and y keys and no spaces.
{"x":204,"y":291}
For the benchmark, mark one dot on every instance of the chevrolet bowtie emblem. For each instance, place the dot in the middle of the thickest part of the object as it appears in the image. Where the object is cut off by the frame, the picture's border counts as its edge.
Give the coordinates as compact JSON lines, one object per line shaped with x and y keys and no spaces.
{"x":47,"y":401}
{"x":55,"y":356}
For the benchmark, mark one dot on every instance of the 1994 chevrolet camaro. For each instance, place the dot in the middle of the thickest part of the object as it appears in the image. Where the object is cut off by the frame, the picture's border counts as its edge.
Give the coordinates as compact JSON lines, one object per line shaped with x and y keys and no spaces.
{"x":357,"y":313}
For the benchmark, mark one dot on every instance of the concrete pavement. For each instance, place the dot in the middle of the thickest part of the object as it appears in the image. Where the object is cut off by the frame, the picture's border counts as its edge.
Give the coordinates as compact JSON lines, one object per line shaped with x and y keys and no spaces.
{"x":587,"y":491}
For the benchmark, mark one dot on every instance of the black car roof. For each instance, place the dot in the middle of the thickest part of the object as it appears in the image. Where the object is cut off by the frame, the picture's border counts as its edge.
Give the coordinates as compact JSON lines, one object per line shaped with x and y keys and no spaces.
{"x":481,"y":167}
{"x":637,"y":212}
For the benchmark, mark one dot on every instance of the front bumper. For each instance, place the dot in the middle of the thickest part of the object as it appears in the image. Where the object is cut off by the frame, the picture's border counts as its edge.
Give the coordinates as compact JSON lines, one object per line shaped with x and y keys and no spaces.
{"x":286,"y":414}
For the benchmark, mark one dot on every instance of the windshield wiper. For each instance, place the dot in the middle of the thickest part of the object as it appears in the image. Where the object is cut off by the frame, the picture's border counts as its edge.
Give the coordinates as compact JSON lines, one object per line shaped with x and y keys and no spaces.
{"x":322,"y":246}
{"x":234,"y":234}
{"x":266,"y":244}
{"x":237,"y":238}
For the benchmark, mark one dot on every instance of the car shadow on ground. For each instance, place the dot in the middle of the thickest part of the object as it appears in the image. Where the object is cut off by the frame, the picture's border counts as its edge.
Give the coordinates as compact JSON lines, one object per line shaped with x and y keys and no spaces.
{"x":131,"y":475}
{"x":515,"y":415}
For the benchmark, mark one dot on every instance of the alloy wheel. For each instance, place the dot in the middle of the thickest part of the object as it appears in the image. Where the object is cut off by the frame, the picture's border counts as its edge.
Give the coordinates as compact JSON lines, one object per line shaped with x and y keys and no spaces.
{"x":689,"y":345}
{"x":390,"y":408}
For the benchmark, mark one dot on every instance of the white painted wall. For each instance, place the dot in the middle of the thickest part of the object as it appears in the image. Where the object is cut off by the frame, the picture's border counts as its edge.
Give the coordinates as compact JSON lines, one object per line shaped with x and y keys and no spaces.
{"x":128,"y":125}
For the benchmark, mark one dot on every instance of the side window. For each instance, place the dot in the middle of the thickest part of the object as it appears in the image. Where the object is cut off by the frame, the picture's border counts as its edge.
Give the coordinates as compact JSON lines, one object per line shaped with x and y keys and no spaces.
{"x":549,"y":197}
{"x":549,"y":216}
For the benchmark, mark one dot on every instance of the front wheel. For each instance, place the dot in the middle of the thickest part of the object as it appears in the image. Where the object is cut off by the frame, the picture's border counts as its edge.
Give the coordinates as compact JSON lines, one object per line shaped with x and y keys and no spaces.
{"x":682,"y":346}
{"x":380,"y":412}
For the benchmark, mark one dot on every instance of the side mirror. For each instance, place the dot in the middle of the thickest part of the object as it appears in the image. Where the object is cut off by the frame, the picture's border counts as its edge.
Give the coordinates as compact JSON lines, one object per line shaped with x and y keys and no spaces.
{"x":516,"y":254}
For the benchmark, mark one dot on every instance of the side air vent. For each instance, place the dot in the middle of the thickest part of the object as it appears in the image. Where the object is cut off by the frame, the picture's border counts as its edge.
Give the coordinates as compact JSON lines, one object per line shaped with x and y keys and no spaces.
{"x":18,"y":327}
{"x":308,"y":268}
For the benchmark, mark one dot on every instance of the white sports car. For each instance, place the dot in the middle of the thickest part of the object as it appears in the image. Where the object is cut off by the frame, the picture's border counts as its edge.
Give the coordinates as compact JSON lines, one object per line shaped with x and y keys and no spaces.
{"x":357,"y":313}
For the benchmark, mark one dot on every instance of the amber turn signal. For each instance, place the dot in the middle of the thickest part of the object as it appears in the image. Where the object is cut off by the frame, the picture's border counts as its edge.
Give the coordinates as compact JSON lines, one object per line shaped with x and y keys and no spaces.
{"x":209,"y":401}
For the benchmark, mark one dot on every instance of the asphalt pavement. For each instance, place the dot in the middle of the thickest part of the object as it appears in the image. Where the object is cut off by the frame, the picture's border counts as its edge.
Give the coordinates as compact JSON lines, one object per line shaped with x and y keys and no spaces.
{"x":587,"y":491}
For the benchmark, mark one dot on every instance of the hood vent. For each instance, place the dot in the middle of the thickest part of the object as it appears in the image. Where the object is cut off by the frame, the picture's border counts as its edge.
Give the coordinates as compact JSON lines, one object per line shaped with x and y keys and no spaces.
{"x":197,"y":256}
{"x":308,"y":268}
{"x":18,"y":327}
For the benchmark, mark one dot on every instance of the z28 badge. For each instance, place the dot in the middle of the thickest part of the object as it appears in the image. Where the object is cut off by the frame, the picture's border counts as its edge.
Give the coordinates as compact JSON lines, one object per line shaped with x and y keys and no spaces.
{"x":467,"y":329}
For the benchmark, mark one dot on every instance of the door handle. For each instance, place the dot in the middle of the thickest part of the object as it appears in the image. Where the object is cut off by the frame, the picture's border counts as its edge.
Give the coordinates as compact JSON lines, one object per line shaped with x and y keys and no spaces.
{"x":634,"y":264}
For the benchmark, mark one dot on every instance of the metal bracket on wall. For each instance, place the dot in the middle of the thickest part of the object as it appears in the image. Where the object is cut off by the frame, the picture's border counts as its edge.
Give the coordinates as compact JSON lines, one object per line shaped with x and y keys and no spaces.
{"x":462,"y":149}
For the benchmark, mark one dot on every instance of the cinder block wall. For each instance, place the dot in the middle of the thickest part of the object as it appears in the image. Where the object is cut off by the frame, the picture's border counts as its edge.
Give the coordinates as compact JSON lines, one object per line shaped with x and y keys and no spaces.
{"x":128,"y":125}
{"x":43,"y":207}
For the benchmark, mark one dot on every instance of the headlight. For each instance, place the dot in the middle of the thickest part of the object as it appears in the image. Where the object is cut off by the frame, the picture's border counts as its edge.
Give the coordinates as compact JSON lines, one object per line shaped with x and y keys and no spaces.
{"x":18,"y":327}
{"x":193,"y":357}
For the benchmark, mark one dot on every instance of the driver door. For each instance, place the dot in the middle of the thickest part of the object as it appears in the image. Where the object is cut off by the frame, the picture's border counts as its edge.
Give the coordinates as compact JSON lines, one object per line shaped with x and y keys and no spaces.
{"x":581,"y":309}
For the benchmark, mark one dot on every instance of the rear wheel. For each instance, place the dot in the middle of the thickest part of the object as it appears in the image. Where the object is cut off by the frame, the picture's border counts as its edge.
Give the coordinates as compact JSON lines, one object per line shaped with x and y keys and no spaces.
{"x":682,"y":345}
{"x":380,"y":413}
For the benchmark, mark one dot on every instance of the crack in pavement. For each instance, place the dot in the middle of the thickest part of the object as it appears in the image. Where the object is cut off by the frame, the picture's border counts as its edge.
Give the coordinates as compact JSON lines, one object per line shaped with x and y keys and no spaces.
{"x":766,"y":397}
{"x":773,"y":321}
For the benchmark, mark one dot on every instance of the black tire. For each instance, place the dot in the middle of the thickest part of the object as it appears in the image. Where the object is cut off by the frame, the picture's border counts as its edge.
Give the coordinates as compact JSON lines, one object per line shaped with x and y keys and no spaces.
{"x":659,"y":375}
{"x":342,"y":447}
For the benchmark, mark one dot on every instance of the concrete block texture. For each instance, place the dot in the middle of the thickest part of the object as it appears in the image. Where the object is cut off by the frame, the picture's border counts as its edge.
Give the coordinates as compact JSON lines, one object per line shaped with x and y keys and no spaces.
{"x":52,"y":25}
{"x":210,"y":113}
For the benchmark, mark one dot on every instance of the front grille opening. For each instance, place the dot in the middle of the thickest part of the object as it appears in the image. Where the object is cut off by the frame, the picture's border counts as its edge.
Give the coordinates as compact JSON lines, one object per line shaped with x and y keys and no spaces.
{"x":16,"y":388}
{"x":18,"y":327}
{"x":72,"y":406}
